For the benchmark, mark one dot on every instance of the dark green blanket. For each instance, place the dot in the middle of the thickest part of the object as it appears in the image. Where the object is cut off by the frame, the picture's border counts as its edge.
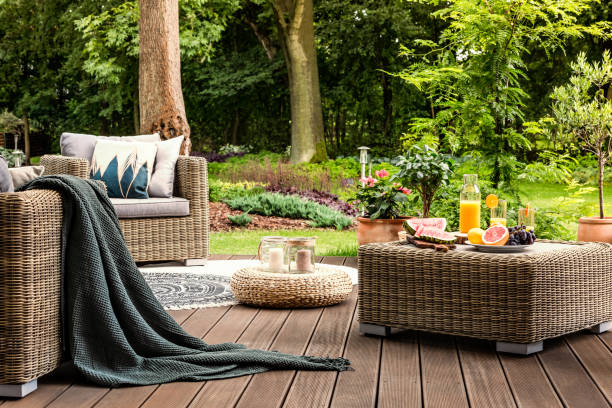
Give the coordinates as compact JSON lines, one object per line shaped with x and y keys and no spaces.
{"x":115,"y":330}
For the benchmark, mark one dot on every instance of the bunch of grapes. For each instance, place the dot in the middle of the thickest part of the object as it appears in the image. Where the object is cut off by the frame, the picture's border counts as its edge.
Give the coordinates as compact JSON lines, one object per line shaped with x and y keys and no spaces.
{"x":520,"y":236}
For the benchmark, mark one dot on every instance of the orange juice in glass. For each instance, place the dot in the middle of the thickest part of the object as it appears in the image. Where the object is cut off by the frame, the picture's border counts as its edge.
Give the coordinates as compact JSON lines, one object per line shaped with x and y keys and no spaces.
{"x":469,"y":203}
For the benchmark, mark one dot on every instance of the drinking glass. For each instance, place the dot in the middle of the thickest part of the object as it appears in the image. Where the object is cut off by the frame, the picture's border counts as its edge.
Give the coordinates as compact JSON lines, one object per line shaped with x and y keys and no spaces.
{"x":469,"y":203}
{"x":526,"y":217}
{"x":498,"y":214}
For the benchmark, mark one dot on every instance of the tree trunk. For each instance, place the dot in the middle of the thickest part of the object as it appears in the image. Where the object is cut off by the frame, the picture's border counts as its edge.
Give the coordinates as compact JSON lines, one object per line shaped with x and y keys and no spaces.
{"x":26,"y":138}
{"x":136,"y":117}
{"x":235,"y":128}
{"x":295,"y":20}
{"x":162,"y":108}
{"x":600,"y":165}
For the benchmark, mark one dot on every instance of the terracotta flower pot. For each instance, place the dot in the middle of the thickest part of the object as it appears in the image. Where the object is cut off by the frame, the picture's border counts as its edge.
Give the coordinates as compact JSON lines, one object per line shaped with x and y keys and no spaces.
{"x":380,"y":230}
{"x":595,"y":229}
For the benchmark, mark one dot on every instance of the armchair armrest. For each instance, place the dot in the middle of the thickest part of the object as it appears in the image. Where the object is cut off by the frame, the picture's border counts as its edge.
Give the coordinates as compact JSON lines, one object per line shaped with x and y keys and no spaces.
{"x":191,"y":179}
{"x":75,"y":166}
{"x":30,"y":280}
{"x":191,"y":182}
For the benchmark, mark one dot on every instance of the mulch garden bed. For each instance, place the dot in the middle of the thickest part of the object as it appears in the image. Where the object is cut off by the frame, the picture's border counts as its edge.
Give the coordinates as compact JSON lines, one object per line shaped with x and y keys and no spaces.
{"x":220,"y":223}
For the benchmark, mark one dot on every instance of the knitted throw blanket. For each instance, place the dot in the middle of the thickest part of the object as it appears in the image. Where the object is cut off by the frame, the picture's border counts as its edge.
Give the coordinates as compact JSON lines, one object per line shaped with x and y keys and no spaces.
{"x":115,"y":330}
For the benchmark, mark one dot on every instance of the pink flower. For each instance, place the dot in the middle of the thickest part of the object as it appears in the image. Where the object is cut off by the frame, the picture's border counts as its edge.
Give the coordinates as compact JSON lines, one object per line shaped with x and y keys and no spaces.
{"x":381,"y":173}
{"x":406,"y":191}
{"x":369,"y":181}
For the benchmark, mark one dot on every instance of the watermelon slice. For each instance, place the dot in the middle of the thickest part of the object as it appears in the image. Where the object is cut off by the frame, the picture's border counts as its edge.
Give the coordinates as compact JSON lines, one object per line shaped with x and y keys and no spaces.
{"x":411,"y":225}
{"x":433,"y":234}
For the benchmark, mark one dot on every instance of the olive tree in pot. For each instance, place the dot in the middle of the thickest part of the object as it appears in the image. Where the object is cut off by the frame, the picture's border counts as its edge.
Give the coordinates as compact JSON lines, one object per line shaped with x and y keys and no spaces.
{"x":381,"y":201}
{"x":424,"y":170}
{"x":584,"y":115}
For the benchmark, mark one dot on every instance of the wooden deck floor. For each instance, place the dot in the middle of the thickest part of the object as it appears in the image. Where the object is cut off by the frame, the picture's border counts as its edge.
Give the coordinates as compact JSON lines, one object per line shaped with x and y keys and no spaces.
{"x":408,"y":369}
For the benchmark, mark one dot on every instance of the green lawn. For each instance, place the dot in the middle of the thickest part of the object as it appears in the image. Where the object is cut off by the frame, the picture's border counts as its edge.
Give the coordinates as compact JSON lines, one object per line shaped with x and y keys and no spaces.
{"x":245,"y":242}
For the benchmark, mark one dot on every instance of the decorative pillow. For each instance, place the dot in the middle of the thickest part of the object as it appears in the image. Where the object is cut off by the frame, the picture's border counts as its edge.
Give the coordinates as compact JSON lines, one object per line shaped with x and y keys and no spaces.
{"x":124,"y":167}
{"x":23,"y":175}
{"x":6,"y":181}
{"x":162,"y":180}
{"x":81,"y":145}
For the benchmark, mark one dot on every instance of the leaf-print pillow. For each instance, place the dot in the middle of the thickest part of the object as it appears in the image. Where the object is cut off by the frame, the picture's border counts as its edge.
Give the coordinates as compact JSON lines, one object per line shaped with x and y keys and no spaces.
{"x":124,"y":167}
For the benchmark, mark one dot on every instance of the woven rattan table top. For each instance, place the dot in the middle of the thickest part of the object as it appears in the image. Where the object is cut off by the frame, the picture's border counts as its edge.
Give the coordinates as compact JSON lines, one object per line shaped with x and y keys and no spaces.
{"x":539,"y":249}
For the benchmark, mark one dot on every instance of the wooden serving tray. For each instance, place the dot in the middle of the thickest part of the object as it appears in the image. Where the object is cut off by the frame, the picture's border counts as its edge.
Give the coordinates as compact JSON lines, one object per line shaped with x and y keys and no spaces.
{"x":429,"y":245}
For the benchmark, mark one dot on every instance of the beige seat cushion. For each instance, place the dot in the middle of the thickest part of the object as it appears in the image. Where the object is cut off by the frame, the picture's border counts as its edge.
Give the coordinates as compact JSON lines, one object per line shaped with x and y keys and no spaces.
{"x":151,"y":207}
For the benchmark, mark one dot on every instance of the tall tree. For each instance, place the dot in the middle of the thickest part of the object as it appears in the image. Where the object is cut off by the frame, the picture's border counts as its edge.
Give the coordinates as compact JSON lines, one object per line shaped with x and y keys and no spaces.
{"x":162,"y":108}
{"x":296,"y":31}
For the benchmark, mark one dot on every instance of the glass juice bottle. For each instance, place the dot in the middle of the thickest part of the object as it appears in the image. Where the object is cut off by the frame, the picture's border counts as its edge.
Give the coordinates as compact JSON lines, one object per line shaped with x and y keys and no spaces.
{"x":469,"y":203}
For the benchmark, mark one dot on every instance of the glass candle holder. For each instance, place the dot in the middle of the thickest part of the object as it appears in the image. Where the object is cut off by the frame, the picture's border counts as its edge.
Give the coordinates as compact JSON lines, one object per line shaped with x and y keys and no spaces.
{"x":300,"y":254}
{"x":526,"y":217}
{"x":271,"y":253}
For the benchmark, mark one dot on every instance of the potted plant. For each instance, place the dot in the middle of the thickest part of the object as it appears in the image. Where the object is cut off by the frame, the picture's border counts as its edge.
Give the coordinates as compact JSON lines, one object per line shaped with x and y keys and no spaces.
{"x":426,"y":171}
{"x":584,"y":114}
{"x":381,"y":199}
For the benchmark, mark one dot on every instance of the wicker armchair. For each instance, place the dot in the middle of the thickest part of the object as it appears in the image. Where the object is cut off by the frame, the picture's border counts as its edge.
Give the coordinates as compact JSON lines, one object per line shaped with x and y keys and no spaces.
{"x":160,"y":239}
{"x":30,"y":283}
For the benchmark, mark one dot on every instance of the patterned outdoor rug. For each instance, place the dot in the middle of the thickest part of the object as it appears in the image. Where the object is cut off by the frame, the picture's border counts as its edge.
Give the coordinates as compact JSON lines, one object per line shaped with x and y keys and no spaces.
{"x":183,"y":290}
{"x":188,"y":287}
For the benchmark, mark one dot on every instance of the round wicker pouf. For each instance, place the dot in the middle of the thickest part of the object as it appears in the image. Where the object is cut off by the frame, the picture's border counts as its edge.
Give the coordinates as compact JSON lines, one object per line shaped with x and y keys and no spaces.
{"x":326,"y":286}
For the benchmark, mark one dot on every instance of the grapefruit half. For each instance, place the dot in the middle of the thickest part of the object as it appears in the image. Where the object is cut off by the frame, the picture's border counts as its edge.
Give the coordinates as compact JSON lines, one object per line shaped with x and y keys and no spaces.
{"x":496,"y":235}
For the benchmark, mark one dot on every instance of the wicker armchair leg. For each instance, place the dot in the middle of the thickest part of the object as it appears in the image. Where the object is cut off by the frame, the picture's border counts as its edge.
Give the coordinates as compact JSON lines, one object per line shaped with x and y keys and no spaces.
{"x":601,"y":327}
{"x":519,"y":348}
{"x":374,"y":329}
{"x":18,"y":390}
{"x":195,"y":262}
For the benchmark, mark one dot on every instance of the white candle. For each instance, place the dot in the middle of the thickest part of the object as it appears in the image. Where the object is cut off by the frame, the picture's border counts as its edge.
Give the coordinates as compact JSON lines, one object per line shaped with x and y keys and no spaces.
{"x":276,"y":259}
{"x":303,"y":261}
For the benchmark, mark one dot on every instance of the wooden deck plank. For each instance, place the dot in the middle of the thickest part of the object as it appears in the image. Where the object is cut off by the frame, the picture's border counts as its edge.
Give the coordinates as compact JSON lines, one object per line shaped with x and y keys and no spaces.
{"x":529,"y":382}
{"x":241,"y":257}
{"x":333,"y":260}
{"x":350,"y":261}
{"x":483,"y":375}
{"x":197,"y":323}
{"x":606,"y":338}
{"x":399,"y":378}
{"x":218,"y":257}
{"x":229,"y":328}
{"x":259,"y":335}
{"x":571,"y":382}
{"x":596,"y":358}
{"x":355,"y":389}
{"x":268,"y":390}
{"x":314,"y":389}
{"x":441,"y":373}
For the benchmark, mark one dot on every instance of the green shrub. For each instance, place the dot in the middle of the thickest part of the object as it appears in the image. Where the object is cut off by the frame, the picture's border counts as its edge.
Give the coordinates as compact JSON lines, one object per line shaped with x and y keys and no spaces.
{"x":223,"y":190}
{"x":278,"y":205}
{"x":240,"y":220}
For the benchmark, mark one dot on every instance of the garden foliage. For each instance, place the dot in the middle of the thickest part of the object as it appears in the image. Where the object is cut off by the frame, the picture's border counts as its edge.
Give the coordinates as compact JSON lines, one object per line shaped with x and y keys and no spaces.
{"x":278,"y":205}
{"x":473,"y":76}
{"x":241,"y":220}
{"x":222,"y":190}
{"x":426,"y":171}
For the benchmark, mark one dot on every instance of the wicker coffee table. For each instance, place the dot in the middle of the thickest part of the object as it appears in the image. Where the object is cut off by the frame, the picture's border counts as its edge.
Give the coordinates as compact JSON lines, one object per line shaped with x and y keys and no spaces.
{"x":517,"y":300}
